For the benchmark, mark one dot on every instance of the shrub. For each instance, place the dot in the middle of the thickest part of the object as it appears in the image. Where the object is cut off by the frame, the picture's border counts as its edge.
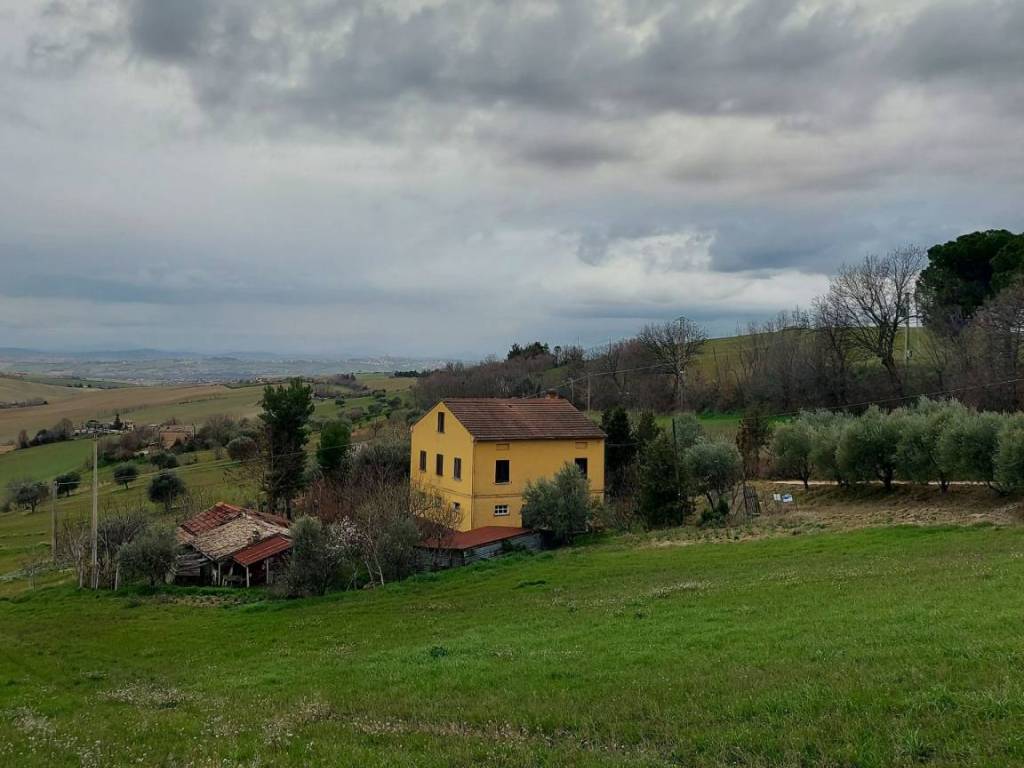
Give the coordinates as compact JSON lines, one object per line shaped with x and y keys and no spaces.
{"x":715,"y":516}
{"x":149,"y":555}
{"x":126,"y":474}
{"x":561,"y":506}
{"x":714,"y":469}
{"x":165,"y":488}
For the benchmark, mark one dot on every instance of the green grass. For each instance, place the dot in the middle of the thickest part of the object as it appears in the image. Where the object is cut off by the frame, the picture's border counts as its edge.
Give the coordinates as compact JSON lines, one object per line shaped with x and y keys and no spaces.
{"x":882,"y":647}
{"x":43,"y":462}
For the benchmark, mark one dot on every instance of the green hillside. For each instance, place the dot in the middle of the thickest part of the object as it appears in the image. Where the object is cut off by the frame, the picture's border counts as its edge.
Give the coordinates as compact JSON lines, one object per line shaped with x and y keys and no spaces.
{"x":882,"y":647}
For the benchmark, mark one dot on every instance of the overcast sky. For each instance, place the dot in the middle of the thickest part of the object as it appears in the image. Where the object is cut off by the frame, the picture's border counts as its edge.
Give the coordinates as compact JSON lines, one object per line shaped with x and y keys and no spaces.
{"x":442,"y":178}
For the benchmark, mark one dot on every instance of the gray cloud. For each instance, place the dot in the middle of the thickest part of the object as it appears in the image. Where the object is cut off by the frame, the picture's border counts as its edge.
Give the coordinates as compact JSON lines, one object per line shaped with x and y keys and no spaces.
{"x":355,"y":171}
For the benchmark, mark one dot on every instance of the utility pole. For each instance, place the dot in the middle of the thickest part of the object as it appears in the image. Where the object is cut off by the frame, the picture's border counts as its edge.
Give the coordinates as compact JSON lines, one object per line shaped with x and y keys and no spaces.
{"x":53,"y":520}
{"x":588,"y":393}
{"x":906,"y":336}
{"x":95,"y":515}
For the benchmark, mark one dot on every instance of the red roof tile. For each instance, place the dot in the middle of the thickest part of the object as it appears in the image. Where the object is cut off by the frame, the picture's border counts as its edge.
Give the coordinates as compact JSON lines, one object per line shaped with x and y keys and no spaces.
{"x":541,"y":418}
{"x":477,"y":537}
{"x":261,"y":550}
{"x":211,"y":518}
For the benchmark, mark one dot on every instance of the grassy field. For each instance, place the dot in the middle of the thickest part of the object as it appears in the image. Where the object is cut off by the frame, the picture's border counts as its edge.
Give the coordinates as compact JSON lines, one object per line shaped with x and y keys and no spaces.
{"x":44,"y":462}
{"x":882,"y":647}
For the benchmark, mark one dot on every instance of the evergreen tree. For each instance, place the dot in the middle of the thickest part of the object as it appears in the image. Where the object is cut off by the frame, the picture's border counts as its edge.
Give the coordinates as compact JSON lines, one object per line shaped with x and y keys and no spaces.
{"x":619,"y":449}
{"x":332,"y":453}
{"x":664,"y":499}
{"x":285,"y":417}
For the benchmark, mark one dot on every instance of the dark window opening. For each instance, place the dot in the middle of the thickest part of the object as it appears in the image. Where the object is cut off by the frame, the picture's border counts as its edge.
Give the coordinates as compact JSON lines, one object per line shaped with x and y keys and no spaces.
{"x":423,"y":461}
{"x":581,"y":463}
{"x":440,"y":422}
{"x":501,"y":471}
{"x":439,"y":466}
{"x":457,"y":468}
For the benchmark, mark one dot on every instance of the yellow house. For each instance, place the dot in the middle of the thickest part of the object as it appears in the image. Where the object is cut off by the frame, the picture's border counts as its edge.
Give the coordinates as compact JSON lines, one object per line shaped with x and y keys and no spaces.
{"x":479,"y":453}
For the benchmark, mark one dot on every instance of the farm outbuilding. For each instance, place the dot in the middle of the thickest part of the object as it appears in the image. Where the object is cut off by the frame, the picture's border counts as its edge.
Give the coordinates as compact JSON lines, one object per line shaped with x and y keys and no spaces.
{"x":465,"y":547}
{"x":229,"y":545}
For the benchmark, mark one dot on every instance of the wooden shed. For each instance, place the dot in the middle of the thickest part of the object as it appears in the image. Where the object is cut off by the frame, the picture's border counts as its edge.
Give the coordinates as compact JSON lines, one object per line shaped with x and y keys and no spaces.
{"x":229,"y":545}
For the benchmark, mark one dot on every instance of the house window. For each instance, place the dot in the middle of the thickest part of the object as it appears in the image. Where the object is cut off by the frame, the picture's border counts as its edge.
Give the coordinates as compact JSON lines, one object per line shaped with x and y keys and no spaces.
{"x":501,"y":510}
{"x":457,"y":468}
{"x":581,"y":463}
{"x":440,"y":421}
{"x":457,"y":509}
{"x":439,"y":465}
{"x":423,"y":461}
{"x":501,"y":471}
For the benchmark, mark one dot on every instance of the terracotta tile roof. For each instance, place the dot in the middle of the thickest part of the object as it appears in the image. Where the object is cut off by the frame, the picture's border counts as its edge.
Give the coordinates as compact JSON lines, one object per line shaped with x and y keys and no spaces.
{"x":261,"y":550}
{"x":211,"y":518}
{"x":224,"y":530}
{"x":235,"y":535}
{"x":475,"y":538}
{"x":541,"y":418}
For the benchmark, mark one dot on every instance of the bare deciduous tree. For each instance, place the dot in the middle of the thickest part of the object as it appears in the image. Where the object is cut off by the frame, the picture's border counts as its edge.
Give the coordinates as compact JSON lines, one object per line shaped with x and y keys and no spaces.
{"x":437,"y":519}
{"x":872,"y":301}
{"x":674,"y":345}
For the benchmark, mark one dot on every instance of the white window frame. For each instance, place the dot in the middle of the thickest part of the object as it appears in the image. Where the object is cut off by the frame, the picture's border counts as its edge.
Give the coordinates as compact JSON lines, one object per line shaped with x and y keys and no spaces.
{"x":501,"y":507}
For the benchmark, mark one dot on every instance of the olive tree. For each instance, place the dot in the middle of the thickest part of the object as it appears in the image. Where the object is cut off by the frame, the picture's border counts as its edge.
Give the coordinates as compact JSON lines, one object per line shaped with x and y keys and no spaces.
{"x":561,"y":506}
{"x":826,"y":430}
{"x":242,"y":448}
{"x":319,"y":554}
{"x":917,"y":452}
{"x":68,"y":483}
{"x":967,"y":446}
{"x":28,"y":493}
{"x":126,"y":474}
{"x":1009,"y":458}
{"x":791,"y":450}
{"x":714,"y":468}
{"x":867,"y":447}
{"x":165,"y":488}
{"x":149,"y":555}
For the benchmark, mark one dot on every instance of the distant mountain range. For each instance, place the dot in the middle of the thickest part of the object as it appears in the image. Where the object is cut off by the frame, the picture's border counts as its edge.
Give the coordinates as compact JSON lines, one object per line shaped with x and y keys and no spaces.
{"x":153,"y":366}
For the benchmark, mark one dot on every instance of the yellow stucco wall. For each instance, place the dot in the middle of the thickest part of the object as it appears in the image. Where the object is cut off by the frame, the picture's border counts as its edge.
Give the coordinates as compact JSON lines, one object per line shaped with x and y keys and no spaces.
{"x":477,"y":493}
{"x":454,"y":443}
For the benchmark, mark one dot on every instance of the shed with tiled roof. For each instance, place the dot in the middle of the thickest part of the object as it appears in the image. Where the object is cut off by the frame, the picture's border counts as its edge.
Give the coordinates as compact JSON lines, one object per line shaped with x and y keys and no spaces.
{"x":226,"y":544}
